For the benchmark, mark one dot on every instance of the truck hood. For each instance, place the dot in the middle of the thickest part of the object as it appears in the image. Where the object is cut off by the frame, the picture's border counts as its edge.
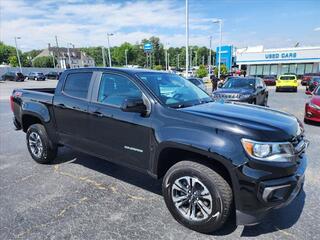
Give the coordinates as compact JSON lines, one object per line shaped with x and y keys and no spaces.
{"x":257,"y":122}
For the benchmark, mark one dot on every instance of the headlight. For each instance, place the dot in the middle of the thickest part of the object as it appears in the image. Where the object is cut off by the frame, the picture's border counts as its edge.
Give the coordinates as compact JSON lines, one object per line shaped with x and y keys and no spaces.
{"x":269,"y":151}
{"x":314,"y":106}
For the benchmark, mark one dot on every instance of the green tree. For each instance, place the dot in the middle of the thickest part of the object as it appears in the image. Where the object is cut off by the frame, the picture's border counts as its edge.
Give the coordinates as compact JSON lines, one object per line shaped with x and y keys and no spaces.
{"x":202,"y":72}
{"x":6,"y":52}
{"x":13,"y":61}
{"x":43,"y":62}
{"x":223,"y":70}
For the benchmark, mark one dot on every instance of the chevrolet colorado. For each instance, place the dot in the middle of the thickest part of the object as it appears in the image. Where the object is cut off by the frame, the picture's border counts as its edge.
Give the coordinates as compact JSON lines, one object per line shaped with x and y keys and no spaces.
{"x":213,"y":157}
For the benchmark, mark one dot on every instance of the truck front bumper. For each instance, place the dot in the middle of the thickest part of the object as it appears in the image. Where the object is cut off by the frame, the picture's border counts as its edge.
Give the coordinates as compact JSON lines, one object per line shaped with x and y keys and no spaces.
{"x":266,"y":195}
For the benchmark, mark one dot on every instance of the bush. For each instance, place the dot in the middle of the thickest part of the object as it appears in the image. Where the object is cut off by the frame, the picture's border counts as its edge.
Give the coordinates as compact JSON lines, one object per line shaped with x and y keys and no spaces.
{"x":202,"y":72}
{"x":223,"y":70}
{"x":157,"y":67}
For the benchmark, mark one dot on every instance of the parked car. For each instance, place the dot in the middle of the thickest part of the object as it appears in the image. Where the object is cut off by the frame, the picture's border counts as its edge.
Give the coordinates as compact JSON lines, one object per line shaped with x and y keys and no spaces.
{"x":312,"y":108}
{"x":243,"y":89}
{"x":13,"y":76}
{"x":287,"y":82}
{"x":212,"y":156}
{"x":52,"y":75}
{"x":307,"y":77}
{"x":198,"y":82}
{"x":37,"y":76}
{"x":270,"y":80}
{"x":313,"y":83}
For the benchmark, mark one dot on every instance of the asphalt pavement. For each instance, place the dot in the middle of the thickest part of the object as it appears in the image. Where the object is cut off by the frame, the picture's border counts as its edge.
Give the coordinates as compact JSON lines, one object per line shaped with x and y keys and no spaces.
{"x":83,"y":197}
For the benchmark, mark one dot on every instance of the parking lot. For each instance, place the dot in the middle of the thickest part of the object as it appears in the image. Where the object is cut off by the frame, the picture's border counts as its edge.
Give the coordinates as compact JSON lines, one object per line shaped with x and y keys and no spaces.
{"x":83,"y":197}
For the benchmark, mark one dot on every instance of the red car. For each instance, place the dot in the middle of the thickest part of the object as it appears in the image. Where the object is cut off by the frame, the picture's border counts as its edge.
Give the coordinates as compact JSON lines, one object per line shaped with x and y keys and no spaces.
{"x":307,"y":77}
{"x":312,"y":108}
{"x":270,"y":80}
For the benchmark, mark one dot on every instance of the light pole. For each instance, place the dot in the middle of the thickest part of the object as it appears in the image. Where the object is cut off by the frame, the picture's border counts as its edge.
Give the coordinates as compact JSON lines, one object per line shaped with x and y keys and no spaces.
{"x":18,"y":56}
{"x":187,"y":38}
{"x":220,"y":42}
{"x":209,"y":62}
{"x":103,"y":57}
{"x":126,"y":56}
{"x":168,"y":60}
{"x":109,"y":53}
{"x":191,"y":59}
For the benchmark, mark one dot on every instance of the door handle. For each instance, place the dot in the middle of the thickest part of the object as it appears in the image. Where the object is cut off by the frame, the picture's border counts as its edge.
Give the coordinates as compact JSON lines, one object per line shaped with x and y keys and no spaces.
{"x":61,"y":105}
{"x":98,"y":114}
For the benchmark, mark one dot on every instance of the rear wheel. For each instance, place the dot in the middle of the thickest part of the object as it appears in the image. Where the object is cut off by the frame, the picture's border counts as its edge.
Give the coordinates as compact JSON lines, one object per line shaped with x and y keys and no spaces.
{"x":295,"y":89}
{"x":197,"y":196}
{"x":39,"y":145}
{"x":277,"y":89}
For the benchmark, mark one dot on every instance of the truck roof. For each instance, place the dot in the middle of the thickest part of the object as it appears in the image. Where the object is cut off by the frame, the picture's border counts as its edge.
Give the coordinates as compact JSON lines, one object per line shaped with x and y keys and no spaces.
{"x":118,"y":69}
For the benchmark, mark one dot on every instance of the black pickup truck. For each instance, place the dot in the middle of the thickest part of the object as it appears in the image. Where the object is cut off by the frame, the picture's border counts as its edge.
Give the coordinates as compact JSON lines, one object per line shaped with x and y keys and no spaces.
{"x":214,"y":157}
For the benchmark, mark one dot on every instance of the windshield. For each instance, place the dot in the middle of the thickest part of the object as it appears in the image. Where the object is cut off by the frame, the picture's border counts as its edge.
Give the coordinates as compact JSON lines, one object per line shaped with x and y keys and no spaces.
{"x":316,"y":79}
{"x":239,"y":83}
{"x":317,"y":91}
{"x":288,"y":78}
{"x":173,"y":90}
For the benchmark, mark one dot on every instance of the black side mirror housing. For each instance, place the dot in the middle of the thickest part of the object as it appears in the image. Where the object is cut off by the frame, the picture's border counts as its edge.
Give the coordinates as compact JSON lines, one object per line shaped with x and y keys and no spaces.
{"x":133,"y":105}
{"x":220,"y":85}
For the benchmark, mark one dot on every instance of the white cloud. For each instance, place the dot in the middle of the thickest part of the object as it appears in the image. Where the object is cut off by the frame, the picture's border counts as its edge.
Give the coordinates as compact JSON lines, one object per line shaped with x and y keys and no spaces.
{"x":87,"y":24}
{"x":316,"y":29}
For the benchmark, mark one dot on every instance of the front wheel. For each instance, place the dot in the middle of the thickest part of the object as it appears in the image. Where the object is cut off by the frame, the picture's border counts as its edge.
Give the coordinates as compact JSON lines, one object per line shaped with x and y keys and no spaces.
{"x":39,"y":145}
{"x":197,"y":196}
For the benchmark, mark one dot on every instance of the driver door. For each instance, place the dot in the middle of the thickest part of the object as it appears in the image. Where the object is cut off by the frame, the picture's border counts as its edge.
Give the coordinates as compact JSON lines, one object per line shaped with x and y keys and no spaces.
{"x":121,"y":137}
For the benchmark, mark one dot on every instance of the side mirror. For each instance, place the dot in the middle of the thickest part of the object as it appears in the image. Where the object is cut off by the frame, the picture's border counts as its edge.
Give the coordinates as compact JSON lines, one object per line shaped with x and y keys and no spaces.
{"x":133,"y":105}
{"x":220,"y":85}
{"x":308,"y":92}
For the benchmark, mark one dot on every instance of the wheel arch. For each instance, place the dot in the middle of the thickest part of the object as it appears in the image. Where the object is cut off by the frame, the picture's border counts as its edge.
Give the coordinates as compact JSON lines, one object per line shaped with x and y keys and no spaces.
{"x":171,"y":155}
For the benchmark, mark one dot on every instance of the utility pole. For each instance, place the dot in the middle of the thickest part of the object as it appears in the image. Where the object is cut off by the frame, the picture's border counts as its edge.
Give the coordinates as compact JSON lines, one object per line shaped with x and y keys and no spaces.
{"x":69,"y":58}
{"x":187,"y":38}
{"x":191,"y":58}
{"x":109,"y":53}
{"x":196,"y":58}
{"x":126,"y":56}
{"x":209,"y":62}
{"x":178,"y":56}
{"x":202,"y":60}
{"x":18,"y":56}
{"x":168,"y":60}
{"x":58,"y":52}
{"x":103,"y":57}
{"x":166,"y":55}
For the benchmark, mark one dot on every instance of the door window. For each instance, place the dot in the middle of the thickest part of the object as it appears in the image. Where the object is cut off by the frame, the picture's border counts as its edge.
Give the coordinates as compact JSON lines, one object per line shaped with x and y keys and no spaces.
{"x":115,"y":88}
{"x":77,"y":84}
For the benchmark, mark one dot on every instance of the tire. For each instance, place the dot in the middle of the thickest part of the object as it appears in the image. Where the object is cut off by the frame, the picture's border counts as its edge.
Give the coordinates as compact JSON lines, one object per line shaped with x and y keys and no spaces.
{"x":277,"y":89}
{"x":296,"y":89}
{"x":39,"y":145}
{"x":219,"y":190}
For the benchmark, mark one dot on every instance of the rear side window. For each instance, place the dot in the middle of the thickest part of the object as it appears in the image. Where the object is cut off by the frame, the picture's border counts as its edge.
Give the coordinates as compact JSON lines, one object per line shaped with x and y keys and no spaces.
{"x":77,"y":84}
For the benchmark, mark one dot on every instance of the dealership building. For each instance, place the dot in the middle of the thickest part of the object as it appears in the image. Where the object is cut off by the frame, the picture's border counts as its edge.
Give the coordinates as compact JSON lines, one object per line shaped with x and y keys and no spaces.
{"x":260,"y":61}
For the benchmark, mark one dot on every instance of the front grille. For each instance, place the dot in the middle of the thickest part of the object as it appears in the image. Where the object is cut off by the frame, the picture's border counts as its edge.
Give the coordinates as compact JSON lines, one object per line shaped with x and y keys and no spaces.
{"x":227,"y":96}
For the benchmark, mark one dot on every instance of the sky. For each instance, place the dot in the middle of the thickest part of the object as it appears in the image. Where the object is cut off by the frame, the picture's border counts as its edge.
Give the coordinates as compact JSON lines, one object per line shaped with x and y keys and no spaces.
{"x":272,"y":23}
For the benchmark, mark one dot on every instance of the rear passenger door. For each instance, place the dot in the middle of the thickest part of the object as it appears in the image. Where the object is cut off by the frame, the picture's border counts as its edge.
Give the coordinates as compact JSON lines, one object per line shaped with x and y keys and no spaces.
{"x":71,"y":109}
{"x":122,"y":137}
